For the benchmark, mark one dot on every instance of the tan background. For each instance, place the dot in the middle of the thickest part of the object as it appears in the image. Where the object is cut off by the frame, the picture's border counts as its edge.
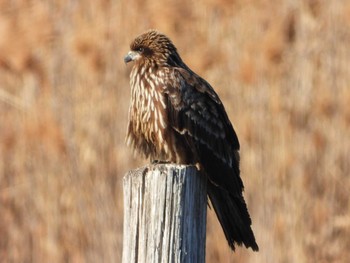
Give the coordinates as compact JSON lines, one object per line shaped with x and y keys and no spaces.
{"x":282,"y":69}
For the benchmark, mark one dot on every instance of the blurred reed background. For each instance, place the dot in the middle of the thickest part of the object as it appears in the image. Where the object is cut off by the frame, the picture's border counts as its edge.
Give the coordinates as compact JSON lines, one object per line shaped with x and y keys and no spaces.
{"x":282,"y":69}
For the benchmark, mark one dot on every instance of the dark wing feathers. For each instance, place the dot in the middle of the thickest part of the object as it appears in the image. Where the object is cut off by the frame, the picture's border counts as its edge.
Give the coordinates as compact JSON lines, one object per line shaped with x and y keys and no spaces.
{"x":196,"y":111}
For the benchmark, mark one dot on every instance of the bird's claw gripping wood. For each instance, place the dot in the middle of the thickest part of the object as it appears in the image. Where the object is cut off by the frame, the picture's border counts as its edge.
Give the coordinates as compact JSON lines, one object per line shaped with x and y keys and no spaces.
{"x":160,"y":162}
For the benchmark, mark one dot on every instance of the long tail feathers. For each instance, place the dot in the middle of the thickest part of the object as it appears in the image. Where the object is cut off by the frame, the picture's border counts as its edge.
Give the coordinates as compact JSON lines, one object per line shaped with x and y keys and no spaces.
{"x":233,"y":215}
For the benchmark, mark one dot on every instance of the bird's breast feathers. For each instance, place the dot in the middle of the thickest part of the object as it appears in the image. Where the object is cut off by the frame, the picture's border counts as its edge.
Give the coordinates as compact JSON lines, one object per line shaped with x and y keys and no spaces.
{"x":148,"y":120}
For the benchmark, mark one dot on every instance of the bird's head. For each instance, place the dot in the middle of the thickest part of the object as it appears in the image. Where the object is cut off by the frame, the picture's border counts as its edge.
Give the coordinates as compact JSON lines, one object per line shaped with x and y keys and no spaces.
{"x":153,"y":48}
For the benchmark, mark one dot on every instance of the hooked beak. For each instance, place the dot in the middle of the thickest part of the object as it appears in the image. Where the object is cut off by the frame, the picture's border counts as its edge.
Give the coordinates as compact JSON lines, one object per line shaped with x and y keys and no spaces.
{"x":131,"y":56}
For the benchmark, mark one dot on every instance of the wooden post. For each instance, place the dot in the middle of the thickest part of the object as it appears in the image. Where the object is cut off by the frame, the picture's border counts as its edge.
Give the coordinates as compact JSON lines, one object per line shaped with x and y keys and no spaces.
{"x":165,"y":208}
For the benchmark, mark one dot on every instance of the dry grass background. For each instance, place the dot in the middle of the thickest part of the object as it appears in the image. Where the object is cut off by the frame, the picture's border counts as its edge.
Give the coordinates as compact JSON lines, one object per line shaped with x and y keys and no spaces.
{"x":282,"y":69}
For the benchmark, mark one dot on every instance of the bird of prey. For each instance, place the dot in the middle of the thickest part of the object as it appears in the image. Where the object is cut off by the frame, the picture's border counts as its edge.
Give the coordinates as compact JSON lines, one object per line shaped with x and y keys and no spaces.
{"x":176,"y":116}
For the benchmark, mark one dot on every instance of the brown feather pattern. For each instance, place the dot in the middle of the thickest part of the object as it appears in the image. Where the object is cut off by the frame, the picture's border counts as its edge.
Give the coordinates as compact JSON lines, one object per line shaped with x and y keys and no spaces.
{"x":176,"y":116}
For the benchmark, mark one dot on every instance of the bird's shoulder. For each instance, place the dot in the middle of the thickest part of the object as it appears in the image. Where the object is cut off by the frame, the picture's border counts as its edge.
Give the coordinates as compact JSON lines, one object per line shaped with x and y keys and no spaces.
{"x":195,"y":107}
{"x":183,"y":81}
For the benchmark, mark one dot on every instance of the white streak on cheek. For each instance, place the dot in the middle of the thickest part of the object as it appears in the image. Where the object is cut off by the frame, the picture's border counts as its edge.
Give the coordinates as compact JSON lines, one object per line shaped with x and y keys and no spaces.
{"x":137,"y":78}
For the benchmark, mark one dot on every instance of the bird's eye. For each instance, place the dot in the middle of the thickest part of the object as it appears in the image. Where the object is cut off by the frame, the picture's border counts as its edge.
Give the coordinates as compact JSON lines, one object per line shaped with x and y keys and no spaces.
{"x":140,"y":49}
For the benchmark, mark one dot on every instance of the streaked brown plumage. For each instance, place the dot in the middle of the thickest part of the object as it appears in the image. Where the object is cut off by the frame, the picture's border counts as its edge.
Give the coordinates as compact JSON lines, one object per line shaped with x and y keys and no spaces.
{"x":176,"y":116}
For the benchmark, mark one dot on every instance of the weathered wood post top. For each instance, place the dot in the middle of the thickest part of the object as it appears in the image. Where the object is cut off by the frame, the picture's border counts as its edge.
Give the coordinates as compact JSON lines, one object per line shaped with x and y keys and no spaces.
{"x":164,"y":214}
